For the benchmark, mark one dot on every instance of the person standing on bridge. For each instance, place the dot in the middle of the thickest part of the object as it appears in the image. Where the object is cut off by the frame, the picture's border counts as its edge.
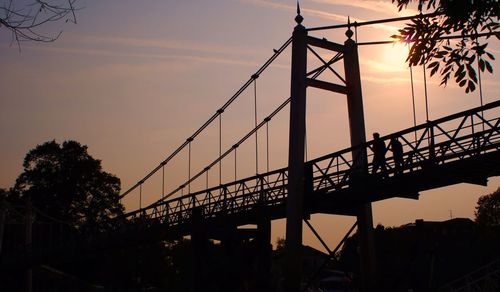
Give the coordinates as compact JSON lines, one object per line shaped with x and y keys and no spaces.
{"x":378,"y":153}
{"x":397,"y":154}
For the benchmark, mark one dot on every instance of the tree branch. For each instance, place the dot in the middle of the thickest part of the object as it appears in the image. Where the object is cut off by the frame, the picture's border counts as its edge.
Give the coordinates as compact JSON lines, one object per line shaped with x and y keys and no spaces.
{"x":26,"y":22}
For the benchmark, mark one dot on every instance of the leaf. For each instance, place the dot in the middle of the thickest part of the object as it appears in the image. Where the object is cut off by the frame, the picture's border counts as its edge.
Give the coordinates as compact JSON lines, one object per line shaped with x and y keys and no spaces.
{"x":481,"y":65}
{"x":488,"y":66}
{"x":469,"y":67}
{"x":461,"y":68}
{"x":433,"y":64}
{"x":471,"y":72}
{"x":473,"y":76}
{"x":491,"y":56}
{"x":441,"y":54}
{"x":462,"y":83}
{"x":479,"y":47}
{"x":434,"y":70}
{"x":461,"y":76}
{"x":471,"y":86}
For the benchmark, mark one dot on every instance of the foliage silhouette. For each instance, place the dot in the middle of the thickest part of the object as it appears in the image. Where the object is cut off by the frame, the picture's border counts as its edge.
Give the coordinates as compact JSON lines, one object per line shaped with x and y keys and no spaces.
{"x":488,"y":209}
{"x":426,"y":255}
{"x":66,"y":183}
{"x":429,"y":46}
{"x":280,"y":244}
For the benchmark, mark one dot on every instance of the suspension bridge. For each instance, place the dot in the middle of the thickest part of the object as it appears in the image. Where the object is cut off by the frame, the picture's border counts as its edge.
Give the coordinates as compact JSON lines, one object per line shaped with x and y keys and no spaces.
{"x":460,"y":148}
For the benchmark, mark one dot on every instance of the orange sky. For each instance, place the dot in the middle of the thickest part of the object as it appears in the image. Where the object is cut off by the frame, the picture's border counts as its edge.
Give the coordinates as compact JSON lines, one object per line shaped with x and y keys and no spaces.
{"x":133,"y":80}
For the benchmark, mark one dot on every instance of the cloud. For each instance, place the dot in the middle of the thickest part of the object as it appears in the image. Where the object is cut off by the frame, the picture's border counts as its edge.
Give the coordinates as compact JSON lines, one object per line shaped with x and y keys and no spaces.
{"x":320,"y":13}
{"x":383,"y":67}
{"x":384,"y":80}
{"x":281,"y":6}
{"x":185,"y":58}
{"x":391,"y":80}
{"x":185,"y":45}
{"x":183,"y":51}
{"x":384,"y":7}
{"x":114,"y":53}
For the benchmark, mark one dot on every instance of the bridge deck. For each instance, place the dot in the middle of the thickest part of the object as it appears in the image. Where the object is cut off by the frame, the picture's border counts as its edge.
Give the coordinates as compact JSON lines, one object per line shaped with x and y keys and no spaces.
{"x":461,"y":148}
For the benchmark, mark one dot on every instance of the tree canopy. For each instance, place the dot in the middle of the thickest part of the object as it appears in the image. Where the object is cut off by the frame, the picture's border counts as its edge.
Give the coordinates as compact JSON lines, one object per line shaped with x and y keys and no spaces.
{"x":65,"y":182}
{"x":488,"y":209}
{"x":452,"y":38}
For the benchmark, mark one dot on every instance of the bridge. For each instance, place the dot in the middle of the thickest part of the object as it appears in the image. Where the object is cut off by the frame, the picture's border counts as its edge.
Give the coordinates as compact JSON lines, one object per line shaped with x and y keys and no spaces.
{"x":460,"y":148}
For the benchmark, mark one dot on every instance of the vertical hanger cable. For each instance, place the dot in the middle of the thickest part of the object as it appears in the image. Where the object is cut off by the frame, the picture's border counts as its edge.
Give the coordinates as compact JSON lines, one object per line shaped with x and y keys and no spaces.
{"x":256,"y":132}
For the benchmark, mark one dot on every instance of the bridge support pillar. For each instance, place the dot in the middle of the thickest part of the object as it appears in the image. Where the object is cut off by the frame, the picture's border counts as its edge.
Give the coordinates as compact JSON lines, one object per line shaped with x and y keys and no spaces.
{"x":360,"y":163}
{"x":199,"y":245}
{"x":264,"y":254}
{"x":230,"y":247}
{"x":294,"y":204}
{"x":366,"y":248}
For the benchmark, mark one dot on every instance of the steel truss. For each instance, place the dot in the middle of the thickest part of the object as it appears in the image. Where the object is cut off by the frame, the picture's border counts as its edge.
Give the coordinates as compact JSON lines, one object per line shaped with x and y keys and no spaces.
{"x":463,"y":136}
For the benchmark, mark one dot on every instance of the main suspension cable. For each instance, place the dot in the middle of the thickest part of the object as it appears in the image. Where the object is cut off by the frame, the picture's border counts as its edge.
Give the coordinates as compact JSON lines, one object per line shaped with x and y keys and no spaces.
{"x":266,"y":121}
{"x":449,"y":37}
{"x":223,"y":155}
{"x":214,"y":116}
{"x":370,"y":22}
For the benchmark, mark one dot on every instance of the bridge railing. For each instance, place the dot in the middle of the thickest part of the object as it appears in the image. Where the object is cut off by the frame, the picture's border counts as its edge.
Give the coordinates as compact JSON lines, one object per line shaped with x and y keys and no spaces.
{"x":242,"y":195}
{"x":452,"y":138}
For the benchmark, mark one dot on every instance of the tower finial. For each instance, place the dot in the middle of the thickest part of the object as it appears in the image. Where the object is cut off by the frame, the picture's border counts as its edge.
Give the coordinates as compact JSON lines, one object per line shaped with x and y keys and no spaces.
{"x":349,"y":32}
{"x":299,"y":17}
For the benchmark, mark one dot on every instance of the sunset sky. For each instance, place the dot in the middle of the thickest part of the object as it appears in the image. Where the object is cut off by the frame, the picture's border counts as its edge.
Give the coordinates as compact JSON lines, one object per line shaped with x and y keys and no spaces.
{"x":133,"y":80}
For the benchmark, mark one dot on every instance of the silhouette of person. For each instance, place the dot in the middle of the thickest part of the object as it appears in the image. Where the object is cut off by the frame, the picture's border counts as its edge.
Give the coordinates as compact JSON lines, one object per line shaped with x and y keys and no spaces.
{"x":397,"y":154}
{"x":378,"y":153}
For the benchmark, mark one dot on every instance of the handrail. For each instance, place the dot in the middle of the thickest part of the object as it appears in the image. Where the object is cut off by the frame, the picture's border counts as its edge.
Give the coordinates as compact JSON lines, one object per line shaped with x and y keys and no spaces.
{"x":436,"y":142}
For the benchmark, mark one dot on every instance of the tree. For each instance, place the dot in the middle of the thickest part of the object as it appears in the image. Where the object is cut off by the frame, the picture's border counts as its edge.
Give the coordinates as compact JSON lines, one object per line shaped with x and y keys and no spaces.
{"x":280,"y":244}
{"x":436,"y":45}
{"x":25,"y":20}
{"x":488,"y":209}
{"x":66,"y":183}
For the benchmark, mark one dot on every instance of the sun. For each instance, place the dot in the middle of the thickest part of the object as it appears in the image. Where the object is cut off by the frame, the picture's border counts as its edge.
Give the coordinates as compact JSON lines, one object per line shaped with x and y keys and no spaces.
{"x":395,"y":55}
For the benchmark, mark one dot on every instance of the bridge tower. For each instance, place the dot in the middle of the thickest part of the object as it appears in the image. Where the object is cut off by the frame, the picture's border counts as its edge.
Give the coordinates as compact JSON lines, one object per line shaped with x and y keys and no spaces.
{"x":296,"y":165}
